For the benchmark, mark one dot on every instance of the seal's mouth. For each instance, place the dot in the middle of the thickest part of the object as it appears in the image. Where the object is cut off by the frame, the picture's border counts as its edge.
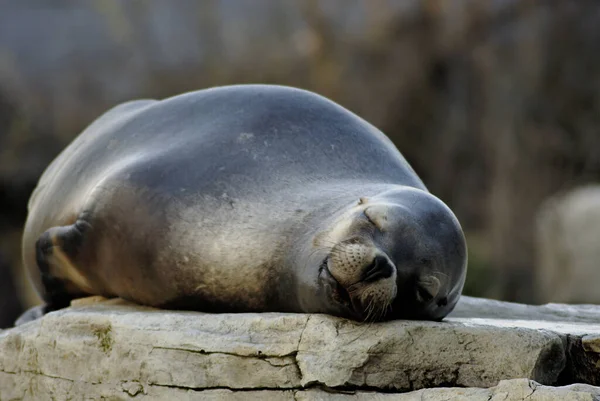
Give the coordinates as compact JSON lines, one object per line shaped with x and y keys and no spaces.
{"x":337,"y":292}
{"x":368,"y":299}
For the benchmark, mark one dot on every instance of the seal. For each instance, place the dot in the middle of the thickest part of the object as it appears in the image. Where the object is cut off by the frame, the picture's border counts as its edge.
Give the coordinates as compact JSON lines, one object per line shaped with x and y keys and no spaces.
{"x":245,"y":198}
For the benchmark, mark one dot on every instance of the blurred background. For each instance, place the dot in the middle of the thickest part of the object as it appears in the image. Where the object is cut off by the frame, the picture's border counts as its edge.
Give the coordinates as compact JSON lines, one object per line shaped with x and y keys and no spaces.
{"x":495,"y":103}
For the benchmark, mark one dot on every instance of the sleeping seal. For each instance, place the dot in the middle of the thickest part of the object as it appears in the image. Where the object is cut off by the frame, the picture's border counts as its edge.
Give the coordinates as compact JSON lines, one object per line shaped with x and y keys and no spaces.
{"x":242,"y":198}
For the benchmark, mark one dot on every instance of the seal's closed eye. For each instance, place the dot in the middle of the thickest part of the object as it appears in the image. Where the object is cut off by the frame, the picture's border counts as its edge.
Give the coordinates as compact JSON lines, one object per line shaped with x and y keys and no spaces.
{"x":377,"y":215}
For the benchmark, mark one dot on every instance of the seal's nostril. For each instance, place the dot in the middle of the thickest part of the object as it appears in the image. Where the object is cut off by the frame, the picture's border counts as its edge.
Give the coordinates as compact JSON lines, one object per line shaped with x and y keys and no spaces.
{"x":378,"y":269}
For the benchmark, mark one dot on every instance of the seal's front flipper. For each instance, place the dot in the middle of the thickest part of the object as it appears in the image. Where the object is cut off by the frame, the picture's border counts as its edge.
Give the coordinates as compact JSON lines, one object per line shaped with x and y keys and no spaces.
{"x":30,"y":315}
{"x":56,"y":255}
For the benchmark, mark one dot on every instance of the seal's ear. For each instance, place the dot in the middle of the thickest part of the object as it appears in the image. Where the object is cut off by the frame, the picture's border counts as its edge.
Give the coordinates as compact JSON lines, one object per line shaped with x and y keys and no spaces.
{"x":378,"y":215}
{"x":428,"y":288}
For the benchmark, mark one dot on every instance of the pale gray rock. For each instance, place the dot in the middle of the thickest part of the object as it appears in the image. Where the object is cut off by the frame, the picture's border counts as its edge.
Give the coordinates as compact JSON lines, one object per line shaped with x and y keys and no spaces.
{"x":115,"y":350}
{"x":506,"y":390}
{"x":578,"y":325}
{"x":411,"y":355}
{"x":568,"y":247}
{"x":471,"y":307}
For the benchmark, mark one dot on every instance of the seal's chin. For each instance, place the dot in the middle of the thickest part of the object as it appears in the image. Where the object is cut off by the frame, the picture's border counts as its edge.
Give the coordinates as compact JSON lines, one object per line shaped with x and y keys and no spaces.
{"x":364,"y":300}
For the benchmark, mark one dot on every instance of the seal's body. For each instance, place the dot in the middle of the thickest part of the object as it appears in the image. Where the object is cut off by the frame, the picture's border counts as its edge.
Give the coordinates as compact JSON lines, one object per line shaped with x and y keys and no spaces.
{"x":243,"y":198}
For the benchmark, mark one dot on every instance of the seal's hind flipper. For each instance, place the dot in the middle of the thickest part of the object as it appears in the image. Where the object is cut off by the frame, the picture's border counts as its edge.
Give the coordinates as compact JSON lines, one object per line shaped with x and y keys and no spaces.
{"x":56,"y":253}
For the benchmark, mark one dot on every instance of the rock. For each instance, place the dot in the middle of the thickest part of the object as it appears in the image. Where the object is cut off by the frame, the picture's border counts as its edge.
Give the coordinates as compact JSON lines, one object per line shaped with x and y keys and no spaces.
{"x":107,"y":343}
{"x":120,"y":350}
{"x":568,"y":250}
{"x":506,"y":390}
{"x":586,"y":316}
{"x":578,"y":325}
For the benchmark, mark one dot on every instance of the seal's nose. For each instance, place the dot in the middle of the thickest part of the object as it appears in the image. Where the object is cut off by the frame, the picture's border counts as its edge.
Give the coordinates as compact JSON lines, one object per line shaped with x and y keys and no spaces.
{"x":379,"y":268}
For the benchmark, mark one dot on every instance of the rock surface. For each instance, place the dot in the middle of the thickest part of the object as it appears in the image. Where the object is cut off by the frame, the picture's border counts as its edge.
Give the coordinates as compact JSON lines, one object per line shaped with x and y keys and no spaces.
{"x":117,"y":350}
{"x":506,"y":390}
{"x":578,"y":326}
{"x":568,"y":251}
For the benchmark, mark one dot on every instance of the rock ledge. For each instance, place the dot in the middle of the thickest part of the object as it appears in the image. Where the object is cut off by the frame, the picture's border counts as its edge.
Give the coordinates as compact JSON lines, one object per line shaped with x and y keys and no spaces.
{"x":116,"y":350}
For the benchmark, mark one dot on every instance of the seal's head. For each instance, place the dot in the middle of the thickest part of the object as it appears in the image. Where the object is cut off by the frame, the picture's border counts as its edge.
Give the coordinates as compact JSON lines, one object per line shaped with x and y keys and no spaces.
{"x":398,"y":255}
